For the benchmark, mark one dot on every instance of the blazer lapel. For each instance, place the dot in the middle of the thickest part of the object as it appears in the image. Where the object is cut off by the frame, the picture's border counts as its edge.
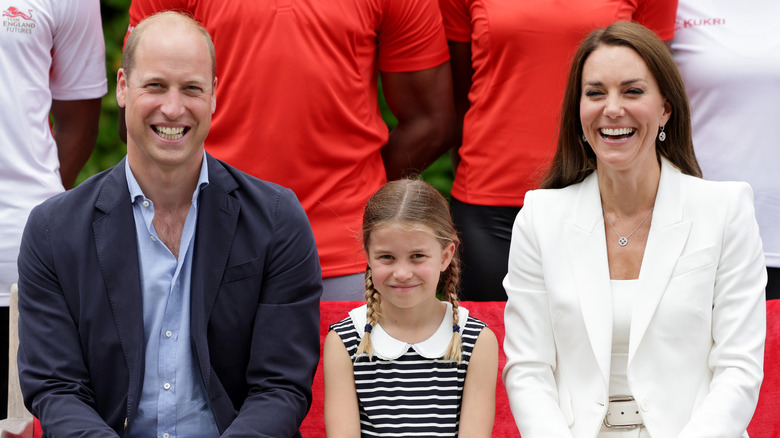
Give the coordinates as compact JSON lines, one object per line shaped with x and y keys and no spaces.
{"x":117,"y":253}
{"x":585,"y":241}
{"x":665,"y":242}
{"x":217,"y":218}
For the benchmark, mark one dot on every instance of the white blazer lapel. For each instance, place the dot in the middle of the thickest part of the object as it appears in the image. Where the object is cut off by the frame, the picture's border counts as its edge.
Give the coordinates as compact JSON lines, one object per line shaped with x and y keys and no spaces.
{"x":665,"y":242}
{"x":586,"y":245}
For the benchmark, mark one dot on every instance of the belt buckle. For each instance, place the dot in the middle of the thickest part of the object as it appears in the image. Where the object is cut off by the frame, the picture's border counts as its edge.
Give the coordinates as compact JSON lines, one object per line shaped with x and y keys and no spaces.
{"x":620,"y":399}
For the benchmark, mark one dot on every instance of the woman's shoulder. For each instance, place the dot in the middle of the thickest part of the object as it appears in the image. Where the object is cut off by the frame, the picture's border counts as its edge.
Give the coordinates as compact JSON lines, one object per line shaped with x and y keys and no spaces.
{"x":702,"y":193}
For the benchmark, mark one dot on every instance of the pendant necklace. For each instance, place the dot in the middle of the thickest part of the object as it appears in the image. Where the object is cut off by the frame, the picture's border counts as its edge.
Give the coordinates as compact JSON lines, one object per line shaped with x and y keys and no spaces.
{"x":623,"y":241}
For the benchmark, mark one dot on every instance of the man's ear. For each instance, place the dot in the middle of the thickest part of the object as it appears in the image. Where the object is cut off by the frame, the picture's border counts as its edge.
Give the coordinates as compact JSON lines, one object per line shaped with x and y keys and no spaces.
{"x":121,"y":87}
{"x":214,"y":96}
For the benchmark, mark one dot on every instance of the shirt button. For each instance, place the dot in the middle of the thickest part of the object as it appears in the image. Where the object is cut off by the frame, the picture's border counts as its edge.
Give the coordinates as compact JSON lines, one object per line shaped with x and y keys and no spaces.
{"x":168,"y":334}
{"x":645,"y":405}
{"x":166,"y":435}
{"x":167,"y":385}
{"x":146,"y":203}
{"x":154,"y":239}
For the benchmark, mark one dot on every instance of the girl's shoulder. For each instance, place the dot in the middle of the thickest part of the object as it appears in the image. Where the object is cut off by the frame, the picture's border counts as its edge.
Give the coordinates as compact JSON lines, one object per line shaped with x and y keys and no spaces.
{"x":351,"y":321}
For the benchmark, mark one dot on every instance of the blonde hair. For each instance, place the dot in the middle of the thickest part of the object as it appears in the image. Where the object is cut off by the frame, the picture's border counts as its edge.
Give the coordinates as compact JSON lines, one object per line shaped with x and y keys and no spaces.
{"x":412,"y":202}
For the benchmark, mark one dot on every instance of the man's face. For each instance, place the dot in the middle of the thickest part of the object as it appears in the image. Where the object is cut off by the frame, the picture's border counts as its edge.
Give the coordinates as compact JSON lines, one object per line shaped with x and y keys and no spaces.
{"x":169,"y":98}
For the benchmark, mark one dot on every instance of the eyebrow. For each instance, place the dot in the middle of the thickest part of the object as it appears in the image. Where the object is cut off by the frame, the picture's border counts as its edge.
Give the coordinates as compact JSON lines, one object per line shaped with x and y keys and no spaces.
{"x":623,"y":83}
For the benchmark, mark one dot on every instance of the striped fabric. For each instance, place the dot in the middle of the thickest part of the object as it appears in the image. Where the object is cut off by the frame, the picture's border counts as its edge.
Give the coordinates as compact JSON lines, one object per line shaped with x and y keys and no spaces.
{"x":413,"y":395}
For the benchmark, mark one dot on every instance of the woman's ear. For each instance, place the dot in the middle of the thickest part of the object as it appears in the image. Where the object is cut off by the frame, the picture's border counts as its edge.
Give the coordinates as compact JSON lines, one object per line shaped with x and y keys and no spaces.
{"x":667,"y":114}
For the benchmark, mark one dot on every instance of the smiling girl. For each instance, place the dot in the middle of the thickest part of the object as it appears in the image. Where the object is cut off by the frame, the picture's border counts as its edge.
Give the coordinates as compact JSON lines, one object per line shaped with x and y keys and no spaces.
{"x":408,"y":363}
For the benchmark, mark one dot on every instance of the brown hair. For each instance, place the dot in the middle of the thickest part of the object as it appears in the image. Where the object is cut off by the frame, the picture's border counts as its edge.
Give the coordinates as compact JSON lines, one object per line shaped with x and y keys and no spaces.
{"x":412,"y":202}
{"x":574,"y":159}
{"x":128,"y":55}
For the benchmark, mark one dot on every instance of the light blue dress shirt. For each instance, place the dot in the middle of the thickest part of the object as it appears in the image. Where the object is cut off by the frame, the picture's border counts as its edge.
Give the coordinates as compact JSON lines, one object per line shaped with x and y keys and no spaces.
{"x":174,"y":402}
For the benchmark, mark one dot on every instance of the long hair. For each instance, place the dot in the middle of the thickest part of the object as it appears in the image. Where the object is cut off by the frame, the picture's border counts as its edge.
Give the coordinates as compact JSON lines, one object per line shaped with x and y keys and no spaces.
{"x":412,"y":202}
{"x":574,"y":159}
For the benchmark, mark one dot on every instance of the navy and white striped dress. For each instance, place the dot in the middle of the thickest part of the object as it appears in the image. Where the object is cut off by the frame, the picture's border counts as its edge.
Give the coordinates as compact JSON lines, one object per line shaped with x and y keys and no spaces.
{"x":407,"y":390}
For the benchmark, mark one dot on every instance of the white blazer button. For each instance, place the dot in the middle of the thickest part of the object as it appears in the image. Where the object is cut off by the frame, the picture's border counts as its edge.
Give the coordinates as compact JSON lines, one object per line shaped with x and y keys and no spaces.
{"x":645,"y":405}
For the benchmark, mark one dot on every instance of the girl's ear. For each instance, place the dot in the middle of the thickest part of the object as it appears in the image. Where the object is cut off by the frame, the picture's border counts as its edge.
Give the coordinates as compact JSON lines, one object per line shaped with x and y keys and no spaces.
{"x":446,"y":256}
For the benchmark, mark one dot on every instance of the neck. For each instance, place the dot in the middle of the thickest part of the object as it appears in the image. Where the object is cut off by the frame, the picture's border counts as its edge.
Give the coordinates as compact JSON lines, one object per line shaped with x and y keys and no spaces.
{"x":626,"y":193}
{"x":415,"y":324}
{"x":168,"y":188}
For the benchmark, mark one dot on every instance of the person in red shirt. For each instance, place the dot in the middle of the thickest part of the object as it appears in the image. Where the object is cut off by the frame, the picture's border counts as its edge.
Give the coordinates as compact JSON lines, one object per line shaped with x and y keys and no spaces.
{"x":298,"y":104}
{"x":510,"y":61}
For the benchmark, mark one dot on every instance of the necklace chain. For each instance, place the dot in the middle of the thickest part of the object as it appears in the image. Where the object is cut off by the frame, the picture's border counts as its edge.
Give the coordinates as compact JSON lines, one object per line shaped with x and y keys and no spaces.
{"x":623,"y":241}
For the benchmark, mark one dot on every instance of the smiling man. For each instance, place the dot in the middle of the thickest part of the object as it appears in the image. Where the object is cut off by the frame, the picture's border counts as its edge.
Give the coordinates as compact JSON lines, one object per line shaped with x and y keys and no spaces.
{"x":171,"y":295}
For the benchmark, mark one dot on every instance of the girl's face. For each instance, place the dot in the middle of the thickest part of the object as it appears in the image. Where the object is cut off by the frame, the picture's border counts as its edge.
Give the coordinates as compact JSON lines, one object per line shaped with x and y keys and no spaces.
{"x":621,"y":109}
{"x":406,"y":263}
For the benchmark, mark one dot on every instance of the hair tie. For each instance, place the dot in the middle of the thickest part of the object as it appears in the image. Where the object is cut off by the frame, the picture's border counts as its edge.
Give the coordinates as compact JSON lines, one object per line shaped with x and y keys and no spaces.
{"x":368,"y":328}
{"x":455,"y":328}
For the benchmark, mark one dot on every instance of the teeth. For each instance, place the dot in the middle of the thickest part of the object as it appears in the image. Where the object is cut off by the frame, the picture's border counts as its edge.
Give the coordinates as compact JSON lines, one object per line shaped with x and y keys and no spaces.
{"x":169,"y":133}
{"x":618,"y":131}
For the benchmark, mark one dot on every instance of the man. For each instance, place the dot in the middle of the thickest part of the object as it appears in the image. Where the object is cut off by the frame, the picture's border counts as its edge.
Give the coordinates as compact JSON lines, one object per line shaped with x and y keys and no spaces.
{"x":52,"y":64}
{"x":299,"y":83}
{"x":171,"y":295}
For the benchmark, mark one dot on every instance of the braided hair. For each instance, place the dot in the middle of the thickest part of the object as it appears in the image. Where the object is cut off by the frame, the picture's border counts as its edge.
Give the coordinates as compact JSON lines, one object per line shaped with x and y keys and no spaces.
{"x":412,"y":202}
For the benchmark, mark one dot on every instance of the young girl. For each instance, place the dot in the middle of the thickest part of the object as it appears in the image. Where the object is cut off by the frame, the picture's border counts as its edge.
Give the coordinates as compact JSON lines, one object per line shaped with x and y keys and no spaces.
{"x":407,"y":364}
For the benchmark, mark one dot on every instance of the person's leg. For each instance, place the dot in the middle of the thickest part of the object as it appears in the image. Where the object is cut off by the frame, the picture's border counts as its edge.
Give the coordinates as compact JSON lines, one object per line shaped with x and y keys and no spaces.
{"x":344,"y":288}
{"x":773,"y":283}
{"x":3,"y":362}
{"x":485,"y":234}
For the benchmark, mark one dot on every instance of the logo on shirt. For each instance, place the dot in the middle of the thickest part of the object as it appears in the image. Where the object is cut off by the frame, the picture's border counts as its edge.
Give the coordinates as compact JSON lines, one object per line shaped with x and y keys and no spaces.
{"x":16,"y":21}
{"x":684,"y":23}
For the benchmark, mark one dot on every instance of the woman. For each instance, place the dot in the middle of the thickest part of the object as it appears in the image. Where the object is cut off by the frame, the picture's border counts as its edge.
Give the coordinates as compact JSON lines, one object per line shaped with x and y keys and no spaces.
{"x":728,"y":54}
{"x":635,"y":287}
{"x":509,"y":60}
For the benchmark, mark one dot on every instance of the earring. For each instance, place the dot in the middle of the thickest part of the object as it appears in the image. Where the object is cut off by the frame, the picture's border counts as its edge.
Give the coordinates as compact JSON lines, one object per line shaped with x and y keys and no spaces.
{"x":584,"y":139}
{"x":662,"y":134}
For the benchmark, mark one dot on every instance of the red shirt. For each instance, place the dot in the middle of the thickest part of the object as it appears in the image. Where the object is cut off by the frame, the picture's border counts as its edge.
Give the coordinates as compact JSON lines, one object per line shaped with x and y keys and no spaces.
{"x":521,"y":55}
{"x":297,"y":98}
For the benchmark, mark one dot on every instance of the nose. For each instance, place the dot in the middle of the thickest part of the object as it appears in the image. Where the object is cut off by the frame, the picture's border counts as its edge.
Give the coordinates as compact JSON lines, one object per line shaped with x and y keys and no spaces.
{"x":613,"y":106}
{"x":402,"y":272}
{"x":173,"y":105}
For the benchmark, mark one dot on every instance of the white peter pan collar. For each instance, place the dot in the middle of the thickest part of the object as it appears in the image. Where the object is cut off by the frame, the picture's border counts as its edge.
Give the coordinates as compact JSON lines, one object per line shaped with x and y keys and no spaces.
{"x":387,"y":347}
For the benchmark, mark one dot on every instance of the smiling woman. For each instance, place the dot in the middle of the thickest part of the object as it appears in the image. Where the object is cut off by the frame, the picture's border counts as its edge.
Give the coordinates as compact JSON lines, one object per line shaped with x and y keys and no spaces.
{"x":621,"y":110}
{"x":632,"y":282}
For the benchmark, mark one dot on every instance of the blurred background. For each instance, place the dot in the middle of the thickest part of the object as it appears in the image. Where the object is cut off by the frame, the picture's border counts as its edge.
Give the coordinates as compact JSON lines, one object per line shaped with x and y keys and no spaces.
{"x":109,"y":149}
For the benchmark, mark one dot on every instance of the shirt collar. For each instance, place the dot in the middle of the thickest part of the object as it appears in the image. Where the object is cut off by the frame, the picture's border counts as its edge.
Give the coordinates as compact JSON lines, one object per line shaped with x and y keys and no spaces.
{"x":135,"y":188}
{"x":387,"y":347}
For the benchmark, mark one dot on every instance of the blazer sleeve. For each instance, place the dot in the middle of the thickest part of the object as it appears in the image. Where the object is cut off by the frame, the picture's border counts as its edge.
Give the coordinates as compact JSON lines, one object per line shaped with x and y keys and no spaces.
{"x":529,"y":344}
{"x":53,"y":375}
{"x":738,"y":326}
{"x":286,"y":335}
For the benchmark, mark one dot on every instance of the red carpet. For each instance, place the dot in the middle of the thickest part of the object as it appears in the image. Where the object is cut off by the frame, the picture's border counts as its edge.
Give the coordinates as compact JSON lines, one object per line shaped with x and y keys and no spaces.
{"x":765,"y":424}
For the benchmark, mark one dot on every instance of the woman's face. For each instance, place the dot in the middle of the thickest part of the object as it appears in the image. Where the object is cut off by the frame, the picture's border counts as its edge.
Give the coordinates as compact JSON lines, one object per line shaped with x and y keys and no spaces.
{"x":621,"y":109}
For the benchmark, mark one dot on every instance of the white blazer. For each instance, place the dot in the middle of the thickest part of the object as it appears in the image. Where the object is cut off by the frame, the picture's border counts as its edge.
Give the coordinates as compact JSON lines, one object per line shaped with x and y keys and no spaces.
{"x":696,"y":348}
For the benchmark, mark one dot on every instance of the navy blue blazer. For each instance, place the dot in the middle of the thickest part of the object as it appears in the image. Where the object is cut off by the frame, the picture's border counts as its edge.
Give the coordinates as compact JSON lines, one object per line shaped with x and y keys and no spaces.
{"x":256,"y":284}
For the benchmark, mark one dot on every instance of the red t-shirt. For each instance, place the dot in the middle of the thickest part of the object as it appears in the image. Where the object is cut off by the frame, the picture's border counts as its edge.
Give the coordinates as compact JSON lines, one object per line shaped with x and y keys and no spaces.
{"x":297,"y":98}
{"x":521,"y":55}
